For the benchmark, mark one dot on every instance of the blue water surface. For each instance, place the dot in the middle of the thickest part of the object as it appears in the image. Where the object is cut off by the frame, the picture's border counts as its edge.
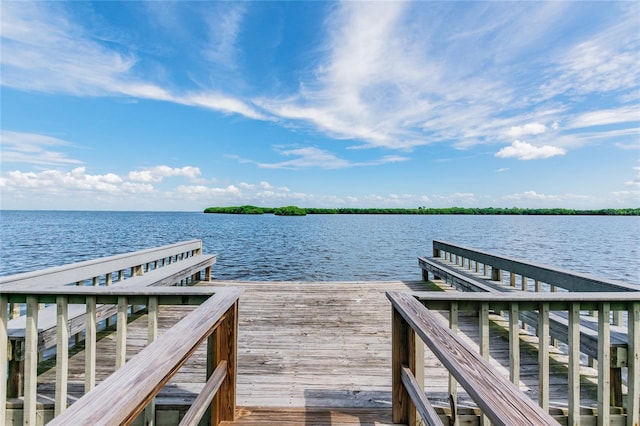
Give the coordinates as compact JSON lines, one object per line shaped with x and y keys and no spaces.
{"x":321,"y":247}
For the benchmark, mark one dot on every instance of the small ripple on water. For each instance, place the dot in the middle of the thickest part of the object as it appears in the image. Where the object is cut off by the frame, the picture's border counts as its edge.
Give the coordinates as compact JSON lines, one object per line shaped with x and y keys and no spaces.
{"x":321,"y":247}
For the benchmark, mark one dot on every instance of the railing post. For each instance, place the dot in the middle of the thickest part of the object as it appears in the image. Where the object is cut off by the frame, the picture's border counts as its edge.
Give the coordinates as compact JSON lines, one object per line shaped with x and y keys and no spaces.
{"x":416,"y":365}
{"x":152,"y":334}
{"x":121,"y":332}
{"x":4,"y":349}
{"x":401,"y":347}
{"x":224,"y":339}
{"x":574,"y":364}
{"x":514,"y":344}
{"x":483,"y":327}
{"x":604,"y":365}
{"x":31,"y":362}
{"x":633,"y":359}
{"x":90,"y":345}
{"x":453,"y":384}
{"x":543,"y":356}
{"x":496,"y":274}
{"x":62,"y":354}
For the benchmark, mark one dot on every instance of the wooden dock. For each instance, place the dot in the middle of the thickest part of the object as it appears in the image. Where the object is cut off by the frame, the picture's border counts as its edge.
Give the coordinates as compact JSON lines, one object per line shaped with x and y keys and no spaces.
{"x":181,"y":348}
{"x":312,"y":353}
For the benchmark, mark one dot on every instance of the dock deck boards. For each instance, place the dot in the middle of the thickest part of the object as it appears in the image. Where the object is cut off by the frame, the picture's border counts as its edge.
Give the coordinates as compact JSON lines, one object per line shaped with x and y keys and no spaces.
{"x":318,"y":351}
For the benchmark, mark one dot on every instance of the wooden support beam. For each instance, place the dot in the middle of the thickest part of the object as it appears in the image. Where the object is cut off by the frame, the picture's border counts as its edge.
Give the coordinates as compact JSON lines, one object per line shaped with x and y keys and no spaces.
{"x":543,"y":356}
{"x":121,"y":331}
{"x":31,"y":363}
{"x":453,"y":326}
{"x":152,"y":335}
{"x":401,"y":347}
{"x":514,"y":344}
{"x":633,"y":380}
{"x":90,"y":345}
{"x":225,"y":342}
{"x":604,"y":376}
{"x":4,"y":350}
{"x":62,"y":354}
{"x":483,"y":327}
{"x":574,"y":364}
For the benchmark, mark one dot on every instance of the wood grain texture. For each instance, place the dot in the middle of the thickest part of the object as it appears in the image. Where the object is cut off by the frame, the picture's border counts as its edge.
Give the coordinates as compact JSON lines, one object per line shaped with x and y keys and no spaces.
{"x":498,"y":398}
{"x":137,"y":382}
{"x":306,"y":346}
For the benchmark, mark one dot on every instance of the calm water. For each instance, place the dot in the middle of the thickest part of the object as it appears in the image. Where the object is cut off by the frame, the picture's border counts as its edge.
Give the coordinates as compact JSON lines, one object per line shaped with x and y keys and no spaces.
{"x":321,"y":247}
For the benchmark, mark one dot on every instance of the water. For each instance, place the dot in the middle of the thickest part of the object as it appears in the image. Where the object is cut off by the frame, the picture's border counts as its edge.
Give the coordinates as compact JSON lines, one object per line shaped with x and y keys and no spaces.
{"x":321,"y":247}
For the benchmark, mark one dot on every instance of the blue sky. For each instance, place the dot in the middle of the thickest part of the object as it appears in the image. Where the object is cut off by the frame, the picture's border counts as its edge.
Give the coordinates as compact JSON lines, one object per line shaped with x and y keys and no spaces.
{"x":183,"y":105}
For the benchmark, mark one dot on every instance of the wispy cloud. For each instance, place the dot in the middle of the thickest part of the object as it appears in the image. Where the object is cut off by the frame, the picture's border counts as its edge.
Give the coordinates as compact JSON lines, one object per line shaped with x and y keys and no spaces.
{"x":44,"y":49}
{"x":313,"y":157}
{"x":624,"y":114}
{"x":32,"y":148}
{"x":404,"y":79}
{"x":635,"y":182}
{"x":388,"y":74}
{"x":605,"y":62}
{"x":540,"y":199}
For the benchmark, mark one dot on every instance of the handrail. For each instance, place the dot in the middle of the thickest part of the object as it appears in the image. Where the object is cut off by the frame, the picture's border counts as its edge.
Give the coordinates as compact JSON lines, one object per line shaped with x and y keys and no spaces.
{"x":144,"y":375}
{"x":500,"y":400}
{"x":605,"y":304}
{"x":569,"y":280}
{"x":81,"y":271}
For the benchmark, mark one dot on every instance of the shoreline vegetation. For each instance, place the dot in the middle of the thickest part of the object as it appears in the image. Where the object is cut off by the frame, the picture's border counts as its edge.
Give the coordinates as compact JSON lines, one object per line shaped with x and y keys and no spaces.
{"x":298,"y":211}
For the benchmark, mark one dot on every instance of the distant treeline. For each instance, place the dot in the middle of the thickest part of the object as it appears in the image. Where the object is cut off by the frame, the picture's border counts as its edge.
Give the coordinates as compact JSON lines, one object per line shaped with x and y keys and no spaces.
{"x":297,"y":211}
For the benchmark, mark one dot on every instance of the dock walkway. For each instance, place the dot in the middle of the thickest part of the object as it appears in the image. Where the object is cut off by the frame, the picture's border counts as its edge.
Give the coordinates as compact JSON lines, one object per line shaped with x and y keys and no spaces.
{"x":310,"y":353}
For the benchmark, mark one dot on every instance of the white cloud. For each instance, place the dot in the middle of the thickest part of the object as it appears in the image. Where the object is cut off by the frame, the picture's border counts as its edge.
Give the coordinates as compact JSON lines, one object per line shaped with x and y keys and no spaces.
{"x":541,"y":200}
{"x":457,"y":199}
{"x":33,"y":148}
{"x":158,"y":173}
{"x":635,"y":182}
{"x":629,"y":198}
{"x":526,"y":151}
{"x":527,"y":129}
{"x":61,"y":182}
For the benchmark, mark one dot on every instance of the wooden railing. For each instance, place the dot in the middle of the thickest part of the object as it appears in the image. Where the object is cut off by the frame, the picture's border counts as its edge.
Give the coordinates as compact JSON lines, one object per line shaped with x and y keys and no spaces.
{"x":109,"y":270}
{"x":126,"y":393}
{"x":531,"y":275}
{"x":174,"y":264}
{"x":447,"y":345}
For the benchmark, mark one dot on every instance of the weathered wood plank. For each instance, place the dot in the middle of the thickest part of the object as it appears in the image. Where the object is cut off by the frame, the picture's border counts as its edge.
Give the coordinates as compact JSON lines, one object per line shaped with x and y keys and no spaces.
{"x":424,"y":407}
{"x":309,"y":362}
{"x":132,"y":386}
{"x":202,"y":402}
{"x":490,"y":390}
